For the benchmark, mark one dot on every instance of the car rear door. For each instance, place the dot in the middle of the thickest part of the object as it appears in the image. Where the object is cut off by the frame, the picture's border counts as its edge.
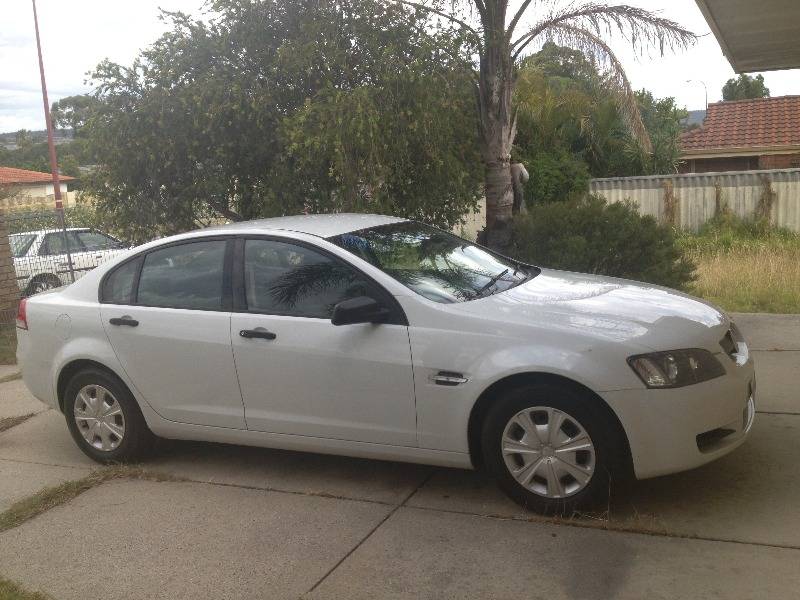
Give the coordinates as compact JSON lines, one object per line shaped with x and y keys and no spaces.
{"x":167,"y":315}
{"x":299,"y":374}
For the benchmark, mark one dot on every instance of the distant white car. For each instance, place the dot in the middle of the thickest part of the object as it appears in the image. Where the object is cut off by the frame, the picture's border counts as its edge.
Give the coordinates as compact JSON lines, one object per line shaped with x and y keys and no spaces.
{"x":40,"y":257}
{"x":378,"y":337}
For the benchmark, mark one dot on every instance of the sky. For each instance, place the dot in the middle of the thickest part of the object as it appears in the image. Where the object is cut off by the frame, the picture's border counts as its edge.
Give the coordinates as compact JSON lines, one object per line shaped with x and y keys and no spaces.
{"x":78,"y":34}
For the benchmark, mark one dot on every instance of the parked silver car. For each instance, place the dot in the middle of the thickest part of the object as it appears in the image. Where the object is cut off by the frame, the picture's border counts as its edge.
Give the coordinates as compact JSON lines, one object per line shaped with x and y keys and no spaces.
{"x":40,"y":257}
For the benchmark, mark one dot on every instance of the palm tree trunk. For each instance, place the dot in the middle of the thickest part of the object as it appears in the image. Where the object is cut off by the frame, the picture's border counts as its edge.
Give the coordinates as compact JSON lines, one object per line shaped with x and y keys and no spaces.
{"x":496,"y":87}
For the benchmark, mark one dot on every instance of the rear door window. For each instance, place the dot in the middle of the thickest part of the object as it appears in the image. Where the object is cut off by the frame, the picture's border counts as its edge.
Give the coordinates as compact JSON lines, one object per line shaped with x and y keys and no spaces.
{"x":188,"y":275}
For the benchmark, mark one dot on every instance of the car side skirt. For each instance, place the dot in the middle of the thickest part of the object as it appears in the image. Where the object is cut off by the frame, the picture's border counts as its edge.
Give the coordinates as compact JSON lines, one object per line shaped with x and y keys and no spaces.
{"x":183,"y":431}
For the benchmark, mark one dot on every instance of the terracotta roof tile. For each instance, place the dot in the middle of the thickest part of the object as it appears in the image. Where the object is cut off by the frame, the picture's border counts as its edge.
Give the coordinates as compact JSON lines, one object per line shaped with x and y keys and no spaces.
{"x":765,"y":122}
{"x":10,"y":176}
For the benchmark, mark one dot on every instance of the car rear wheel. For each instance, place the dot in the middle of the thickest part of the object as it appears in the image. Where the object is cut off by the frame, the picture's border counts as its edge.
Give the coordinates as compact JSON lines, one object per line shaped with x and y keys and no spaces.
{"x":104,"y":418}
{"x":42,"y":283}
{"x":550,"y":448}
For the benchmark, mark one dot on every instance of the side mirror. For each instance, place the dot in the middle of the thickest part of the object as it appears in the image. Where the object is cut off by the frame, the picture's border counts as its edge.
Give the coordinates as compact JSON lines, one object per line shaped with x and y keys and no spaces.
{"x":358,"y":310}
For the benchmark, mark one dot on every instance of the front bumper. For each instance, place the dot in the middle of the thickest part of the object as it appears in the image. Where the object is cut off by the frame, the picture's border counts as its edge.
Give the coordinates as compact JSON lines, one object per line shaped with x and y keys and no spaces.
{"x":675,"y":430}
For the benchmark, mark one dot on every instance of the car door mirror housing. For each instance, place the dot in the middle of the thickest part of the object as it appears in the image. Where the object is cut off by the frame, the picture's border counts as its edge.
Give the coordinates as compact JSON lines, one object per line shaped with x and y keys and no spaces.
{"x":359,"y":310}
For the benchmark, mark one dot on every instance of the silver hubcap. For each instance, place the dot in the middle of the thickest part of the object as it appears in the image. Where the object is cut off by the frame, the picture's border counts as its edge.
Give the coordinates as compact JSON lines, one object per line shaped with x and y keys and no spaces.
{"x":548,"y":452}
{"x":99,"y":418}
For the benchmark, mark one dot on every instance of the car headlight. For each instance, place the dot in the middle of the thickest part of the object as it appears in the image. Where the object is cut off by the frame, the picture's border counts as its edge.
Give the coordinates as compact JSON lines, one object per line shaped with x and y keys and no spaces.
{"x":676,"y":368}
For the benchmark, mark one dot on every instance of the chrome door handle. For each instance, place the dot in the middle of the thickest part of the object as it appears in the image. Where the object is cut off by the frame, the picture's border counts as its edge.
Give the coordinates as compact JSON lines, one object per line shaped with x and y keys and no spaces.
{"x":448,"y":378}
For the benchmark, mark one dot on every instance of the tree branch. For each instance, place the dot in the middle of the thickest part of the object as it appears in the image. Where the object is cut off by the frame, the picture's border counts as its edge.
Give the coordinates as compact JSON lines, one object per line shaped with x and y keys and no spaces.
{"x":513,"y":25}
{"x":436,"y":11}
{"x":226,"y":212}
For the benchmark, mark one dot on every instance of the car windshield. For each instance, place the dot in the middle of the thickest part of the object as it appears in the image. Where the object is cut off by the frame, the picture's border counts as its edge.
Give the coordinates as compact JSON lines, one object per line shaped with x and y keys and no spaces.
{"x":437,"y":265}
{"x":20,"y":243}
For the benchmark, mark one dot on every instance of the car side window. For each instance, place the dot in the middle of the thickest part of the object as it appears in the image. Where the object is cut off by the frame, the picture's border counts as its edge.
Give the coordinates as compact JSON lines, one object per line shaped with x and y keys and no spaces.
{"x":188,"y":276}
{"x":55,"y":243}
{"x":94,"y":240}
{"x":289,"y":279}
{"x":118,"y":285}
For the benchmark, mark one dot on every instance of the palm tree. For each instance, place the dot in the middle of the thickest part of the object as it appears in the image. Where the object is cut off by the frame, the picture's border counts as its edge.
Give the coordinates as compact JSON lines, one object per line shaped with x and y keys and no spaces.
{"x":579,"y":25}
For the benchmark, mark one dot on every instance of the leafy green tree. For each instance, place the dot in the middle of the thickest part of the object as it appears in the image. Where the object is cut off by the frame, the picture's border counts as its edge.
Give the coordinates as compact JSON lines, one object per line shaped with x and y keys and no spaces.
{"x":73,"y":112}
{"x":745,"y":87}
{"x":276,"y":106}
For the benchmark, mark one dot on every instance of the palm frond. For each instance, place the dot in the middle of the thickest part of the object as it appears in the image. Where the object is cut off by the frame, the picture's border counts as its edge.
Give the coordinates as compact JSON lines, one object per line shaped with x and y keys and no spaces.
{"x":640,"y":27}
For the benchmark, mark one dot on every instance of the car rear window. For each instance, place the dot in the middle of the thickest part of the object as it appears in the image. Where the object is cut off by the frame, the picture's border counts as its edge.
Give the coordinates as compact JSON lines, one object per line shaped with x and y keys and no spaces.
{"x":21,"y":243}
{"x":118,"y":286}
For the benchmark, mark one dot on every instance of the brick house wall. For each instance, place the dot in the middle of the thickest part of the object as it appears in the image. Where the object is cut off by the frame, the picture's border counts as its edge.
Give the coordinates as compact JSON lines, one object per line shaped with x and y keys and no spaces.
{"x":740,"y":163}
{"x":779,"y":161}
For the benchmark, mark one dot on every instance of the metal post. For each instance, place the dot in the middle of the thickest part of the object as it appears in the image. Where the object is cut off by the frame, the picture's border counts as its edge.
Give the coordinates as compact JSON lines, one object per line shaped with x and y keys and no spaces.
{"x":52,"y":147}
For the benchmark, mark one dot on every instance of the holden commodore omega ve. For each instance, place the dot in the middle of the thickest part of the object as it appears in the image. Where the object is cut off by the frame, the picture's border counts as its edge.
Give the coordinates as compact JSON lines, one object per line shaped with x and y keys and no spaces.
{"x":379,"y":337}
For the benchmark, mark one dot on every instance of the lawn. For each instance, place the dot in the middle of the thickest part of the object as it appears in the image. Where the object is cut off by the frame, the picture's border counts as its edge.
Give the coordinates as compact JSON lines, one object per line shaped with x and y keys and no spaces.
{"x":746,"y":267}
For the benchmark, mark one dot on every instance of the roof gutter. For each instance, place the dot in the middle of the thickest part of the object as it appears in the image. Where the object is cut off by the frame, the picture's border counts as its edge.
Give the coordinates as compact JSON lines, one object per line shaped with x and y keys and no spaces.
{"x":712,"y":23}
{"x":740,"y":151}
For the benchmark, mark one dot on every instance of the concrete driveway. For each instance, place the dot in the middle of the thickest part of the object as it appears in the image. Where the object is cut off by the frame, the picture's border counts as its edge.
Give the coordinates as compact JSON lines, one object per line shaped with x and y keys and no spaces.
{"x":252,"y":523}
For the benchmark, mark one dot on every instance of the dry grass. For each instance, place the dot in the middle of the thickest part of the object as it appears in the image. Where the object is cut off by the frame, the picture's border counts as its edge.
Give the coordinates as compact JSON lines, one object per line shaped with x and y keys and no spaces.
{"x":765,"y":279}
{"x":8,"y":344}
{"x":51,"y":497}
{"x":11,"y":591}
{"x":746,"y":266}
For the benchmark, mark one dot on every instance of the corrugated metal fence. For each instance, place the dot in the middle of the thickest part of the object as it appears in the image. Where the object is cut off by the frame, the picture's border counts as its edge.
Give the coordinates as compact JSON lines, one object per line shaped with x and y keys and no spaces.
{"x":690,"y":200}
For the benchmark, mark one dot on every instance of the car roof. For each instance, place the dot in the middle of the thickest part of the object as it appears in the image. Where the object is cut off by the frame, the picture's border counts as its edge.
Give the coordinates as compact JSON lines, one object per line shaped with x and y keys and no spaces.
{"x":41,"y":231}
{"x":324,"y":226}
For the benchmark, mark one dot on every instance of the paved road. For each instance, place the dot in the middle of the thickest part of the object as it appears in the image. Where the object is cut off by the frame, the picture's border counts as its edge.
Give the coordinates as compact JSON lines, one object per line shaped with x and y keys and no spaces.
{"x":255,"y":523}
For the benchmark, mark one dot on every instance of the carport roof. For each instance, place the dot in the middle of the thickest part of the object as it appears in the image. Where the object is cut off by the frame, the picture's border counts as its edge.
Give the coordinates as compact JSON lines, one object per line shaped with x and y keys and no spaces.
{"x":756,"y":35}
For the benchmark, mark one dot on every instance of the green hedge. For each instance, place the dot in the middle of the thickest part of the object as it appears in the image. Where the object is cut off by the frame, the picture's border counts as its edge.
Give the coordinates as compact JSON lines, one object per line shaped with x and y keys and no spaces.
{"x":592,"y":236}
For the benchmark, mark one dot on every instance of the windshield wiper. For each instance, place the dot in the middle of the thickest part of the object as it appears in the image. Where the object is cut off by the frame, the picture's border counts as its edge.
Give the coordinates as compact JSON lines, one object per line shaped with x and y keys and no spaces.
{"x":492,"y":281}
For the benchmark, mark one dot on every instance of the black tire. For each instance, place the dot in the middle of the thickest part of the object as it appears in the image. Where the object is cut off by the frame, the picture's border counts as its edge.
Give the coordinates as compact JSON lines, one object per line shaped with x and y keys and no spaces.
{"x":42,"y":283}
{"x":580,"y":408}
{"x":137,"y":441}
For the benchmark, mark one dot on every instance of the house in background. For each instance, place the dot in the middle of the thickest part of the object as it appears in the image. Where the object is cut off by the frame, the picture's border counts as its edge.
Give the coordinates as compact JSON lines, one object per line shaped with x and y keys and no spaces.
{"x":745,"y":135}
{"x":31,"y":189}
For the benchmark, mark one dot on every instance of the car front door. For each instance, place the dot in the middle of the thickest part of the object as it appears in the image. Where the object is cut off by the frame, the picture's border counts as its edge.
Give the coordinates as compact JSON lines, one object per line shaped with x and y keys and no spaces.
{"x":167,"y":314}
{"x":299,"y":374}
{"x":96,"y":248}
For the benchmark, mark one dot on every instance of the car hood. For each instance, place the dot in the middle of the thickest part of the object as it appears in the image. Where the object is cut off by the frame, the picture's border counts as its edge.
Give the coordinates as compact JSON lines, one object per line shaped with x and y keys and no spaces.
{"x":607,"y":308}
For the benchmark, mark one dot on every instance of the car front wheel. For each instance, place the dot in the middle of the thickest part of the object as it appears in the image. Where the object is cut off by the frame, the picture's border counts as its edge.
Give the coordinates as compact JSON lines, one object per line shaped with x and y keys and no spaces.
{"x":550,"y":448}
{"x":104,"y":418}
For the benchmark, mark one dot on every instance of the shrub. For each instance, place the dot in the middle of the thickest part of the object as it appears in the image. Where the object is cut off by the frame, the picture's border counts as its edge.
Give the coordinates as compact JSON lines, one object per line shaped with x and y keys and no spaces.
{"x":555,"y":175}
{"x":592,"y":236}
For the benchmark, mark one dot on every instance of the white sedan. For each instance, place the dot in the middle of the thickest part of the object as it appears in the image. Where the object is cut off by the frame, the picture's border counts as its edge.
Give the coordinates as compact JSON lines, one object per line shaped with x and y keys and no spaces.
{"x":40,"y":257}
{"x":379,"y":337}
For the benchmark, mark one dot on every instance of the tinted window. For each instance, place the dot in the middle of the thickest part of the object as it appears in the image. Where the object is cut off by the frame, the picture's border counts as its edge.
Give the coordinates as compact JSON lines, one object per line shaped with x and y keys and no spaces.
{"x":185,"y":276}
{"x":92,"y":240}
{"x":55,"y":243}
{"x":118,"y":286}
{"x":287,"y":279}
